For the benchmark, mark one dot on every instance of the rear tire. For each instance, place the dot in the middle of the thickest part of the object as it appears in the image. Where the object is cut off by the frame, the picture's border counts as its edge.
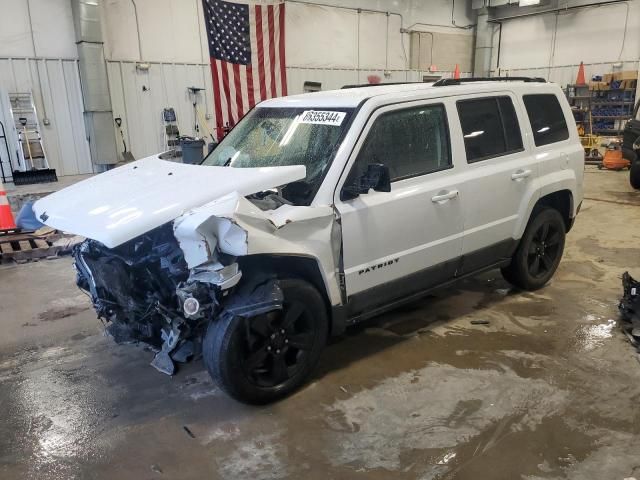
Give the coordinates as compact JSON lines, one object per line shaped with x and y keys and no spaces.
{"x":539,"y":252}
{"x":634,"y":175}
{"x":260,"y":359}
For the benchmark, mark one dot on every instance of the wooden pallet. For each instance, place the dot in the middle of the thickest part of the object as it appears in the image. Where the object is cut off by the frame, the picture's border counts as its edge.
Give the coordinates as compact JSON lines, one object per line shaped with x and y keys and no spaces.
{"x":23,"y":248}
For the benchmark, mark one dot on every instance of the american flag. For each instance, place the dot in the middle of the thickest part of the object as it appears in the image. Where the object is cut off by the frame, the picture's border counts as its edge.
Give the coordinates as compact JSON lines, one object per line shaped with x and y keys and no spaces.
{"x":246,"y":47}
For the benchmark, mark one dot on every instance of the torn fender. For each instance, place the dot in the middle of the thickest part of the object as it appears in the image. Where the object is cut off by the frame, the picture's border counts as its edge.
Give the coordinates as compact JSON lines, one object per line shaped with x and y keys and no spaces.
{"x":235,"y":226}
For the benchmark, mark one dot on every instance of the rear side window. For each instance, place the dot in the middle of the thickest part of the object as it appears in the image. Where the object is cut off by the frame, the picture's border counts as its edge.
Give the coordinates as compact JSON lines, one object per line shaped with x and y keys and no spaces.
{"x":410,"y":142}
{"x":547,"y":119}
{"x":490,"y":127}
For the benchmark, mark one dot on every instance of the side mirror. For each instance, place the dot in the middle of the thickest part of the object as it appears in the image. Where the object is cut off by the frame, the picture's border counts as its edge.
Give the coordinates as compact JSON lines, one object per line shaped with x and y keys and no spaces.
{"x":376,"y":177}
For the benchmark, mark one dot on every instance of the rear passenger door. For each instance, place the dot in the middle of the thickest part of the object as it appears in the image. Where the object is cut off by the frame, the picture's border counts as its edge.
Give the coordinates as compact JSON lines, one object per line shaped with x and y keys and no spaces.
{"x":500,"y":177}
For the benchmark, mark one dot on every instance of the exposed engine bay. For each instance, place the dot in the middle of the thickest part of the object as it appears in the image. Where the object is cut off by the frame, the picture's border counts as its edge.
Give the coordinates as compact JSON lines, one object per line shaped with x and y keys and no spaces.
{"x":144,"y":291}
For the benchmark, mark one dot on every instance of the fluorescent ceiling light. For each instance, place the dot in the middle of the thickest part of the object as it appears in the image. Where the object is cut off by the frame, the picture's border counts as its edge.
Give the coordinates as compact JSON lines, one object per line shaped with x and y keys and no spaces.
{"x":528,"y":3}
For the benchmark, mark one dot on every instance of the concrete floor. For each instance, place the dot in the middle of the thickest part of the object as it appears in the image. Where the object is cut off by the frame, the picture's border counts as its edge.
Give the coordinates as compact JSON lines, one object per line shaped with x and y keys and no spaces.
{"x":549,"y":389}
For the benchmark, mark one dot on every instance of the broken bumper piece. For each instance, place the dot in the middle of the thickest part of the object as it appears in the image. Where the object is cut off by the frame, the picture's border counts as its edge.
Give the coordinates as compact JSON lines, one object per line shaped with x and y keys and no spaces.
{"x":145,"y":291}
{"x":630,"y":310}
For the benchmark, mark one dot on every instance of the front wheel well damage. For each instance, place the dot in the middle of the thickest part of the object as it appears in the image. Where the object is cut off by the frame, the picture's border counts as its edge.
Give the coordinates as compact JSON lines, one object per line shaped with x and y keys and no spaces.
{"x":288,"y":267}
{"x":562,"y":201}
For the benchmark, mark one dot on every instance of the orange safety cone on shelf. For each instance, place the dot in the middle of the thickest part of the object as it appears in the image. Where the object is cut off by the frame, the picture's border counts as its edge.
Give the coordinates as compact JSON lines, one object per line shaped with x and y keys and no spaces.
{"x":580,"y":79}
{"x":6,"y":217}
{"x":456,"y":72}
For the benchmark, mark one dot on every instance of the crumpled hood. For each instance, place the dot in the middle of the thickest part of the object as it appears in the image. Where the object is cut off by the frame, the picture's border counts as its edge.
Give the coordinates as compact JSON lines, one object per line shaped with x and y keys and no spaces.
{"x":123,"y":203}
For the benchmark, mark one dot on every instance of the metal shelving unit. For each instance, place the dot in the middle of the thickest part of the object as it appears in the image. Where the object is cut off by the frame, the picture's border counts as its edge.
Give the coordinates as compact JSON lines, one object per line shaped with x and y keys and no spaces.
{"x":603,"y":112}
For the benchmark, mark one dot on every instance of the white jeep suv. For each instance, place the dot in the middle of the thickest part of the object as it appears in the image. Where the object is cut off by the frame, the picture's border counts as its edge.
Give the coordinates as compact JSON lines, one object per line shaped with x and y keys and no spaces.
{"x":318,"y":211}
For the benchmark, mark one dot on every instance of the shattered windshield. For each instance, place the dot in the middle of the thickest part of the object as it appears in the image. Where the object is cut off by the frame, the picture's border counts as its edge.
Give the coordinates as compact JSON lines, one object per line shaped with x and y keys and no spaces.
{"x":271,"y":137}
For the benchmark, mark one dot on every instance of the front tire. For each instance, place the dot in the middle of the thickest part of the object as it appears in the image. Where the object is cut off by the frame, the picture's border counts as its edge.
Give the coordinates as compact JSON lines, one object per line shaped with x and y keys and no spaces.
{"x":260,"y":359}
{"x":539,"y":252}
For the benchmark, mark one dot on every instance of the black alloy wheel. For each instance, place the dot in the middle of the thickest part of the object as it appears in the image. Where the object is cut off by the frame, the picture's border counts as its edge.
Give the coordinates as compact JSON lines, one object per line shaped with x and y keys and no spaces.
{"x":263,"y":358}
{"x":278,"y":344}
{"x":543,"y":250}
{"x":539,"y":251}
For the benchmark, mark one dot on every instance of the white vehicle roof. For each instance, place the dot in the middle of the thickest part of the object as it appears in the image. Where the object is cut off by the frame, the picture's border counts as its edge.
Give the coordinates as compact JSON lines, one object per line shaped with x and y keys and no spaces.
{"x":352,"y":97}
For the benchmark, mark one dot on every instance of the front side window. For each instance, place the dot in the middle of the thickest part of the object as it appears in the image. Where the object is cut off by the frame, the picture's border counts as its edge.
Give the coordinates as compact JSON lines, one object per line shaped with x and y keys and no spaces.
{"x":409,"y":142}
{"x":490,"y":127}
{"x":273,"y":137}
{"x":547,"y":119}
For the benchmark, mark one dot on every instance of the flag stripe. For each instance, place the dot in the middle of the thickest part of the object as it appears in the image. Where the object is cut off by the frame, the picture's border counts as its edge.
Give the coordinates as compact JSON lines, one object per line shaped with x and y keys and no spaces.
{"x":238,"y":87}
{"x":250,"y":93}
{"x":276,"y":49}
{"x":272,"y":50}
{"x":255,"y":74}
{"x":227,"y":89}
{"x":261,"y":70}
{"x":217,"y":104}
{"x":232,"y":94}
{"x":281,"y":58}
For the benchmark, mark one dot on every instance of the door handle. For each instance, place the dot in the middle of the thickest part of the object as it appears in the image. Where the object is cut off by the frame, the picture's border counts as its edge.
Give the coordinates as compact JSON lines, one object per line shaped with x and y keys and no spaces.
{"x":520,"y":174}
{"x":443,"y":197}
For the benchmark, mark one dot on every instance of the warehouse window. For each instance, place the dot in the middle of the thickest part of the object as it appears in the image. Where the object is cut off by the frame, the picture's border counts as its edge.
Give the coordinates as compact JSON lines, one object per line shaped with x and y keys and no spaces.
{"x":490,"y":127}
{"x":409,"y":142}
{"x":546,"y":117}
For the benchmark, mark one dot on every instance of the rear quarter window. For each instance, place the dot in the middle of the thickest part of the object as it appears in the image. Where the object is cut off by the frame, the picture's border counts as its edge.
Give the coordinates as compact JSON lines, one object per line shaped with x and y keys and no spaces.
{"x":547,"y":118}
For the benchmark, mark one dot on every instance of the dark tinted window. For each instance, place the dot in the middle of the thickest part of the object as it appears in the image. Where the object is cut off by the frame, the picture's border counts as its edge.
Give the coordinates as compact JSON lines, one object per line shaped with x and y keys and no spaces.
{"x":410,"y":142}
{"x":490,"y":127}
{"x":546,"y":117}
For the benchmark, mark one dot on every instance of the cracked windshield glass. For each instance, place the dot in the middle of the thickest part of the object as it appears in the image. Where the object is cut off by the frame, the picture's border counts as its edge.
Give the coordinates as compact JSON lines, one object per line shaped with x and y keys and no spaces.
{"x":273,"y":137}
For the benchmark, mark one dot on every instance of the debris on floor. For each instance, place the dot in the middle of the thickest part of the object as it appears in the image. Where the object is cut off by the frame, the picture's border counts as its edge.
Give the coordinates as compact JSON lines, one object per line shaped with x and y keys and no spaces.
{"x":630,"y":309}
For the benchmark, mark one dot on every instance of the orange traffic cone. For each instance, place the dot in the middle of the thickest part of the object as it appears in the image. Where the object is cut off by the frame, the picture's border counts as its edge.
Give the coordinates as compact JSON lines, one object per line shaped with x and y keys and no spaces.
{"x":6,"y":217}
{"x":456,"y":72}
{"x":580,"y":80}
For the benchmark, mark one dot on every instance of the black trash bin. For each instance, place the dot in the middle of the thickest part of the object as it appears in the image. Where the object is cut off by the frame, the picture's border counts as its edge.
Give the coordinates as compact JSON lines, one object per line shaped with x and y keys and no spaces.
{"x":192,"y":150}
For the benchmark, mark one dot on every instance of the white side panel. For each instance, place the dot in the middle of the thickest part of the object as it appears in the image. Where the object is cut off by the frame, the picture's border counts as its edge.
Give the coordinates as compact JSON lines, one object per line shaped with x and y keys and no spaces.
{"x":372,"y":44}
{"x":166,"y":86}
{"x":308,"y":28}
{"x":332,"y":79}
{"x":64,"y":138}
{"x":595,"y":36}
{"x":52,"y":29}
{"x":170,"y":30}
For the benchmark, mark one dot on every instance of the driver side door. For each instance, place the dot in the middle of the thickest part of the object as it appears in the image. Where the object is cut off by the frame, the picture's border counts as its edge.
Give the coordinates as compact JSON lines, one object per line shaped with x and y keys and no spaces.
{"x":402,"y":242}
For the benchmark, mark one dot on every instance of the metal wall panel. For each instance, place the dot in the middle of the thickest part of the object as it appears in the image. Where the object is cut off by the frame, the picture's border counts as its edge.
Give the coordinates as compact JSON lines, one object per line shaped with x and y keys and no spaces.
{"x":60,"y":101}
{"x":139,"y":97}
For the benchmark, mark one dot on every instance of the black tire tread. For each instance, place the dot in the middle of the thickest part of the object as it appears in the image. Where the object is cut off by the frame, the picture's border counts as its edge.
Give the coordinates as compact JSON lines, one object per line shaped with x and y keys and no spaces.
{"x":516,"y":272}
{"x":218,"y":343}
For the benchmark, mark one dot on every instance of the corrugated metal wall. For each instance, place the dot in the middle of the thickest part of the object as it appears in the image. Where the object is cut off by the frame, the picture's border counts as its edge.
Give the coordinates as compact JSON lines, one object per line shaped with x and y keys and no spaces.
{"x":138,"y":97}
{"x":60,"y":98}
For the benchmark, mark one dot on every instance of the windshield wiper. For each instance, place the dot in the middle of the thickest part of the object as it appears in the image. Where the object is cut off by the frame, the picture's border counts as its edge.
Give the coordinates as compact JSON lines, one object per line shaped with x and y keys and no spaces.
{"x":227,"y":162}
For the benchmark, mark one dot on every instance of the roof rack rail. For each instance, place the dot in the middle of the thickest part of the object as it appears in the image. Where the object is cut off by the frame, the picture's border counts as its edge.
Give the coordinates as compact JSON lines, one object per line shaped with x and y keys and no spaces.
{"x":445,"y":82}
{"x":377,"y":84}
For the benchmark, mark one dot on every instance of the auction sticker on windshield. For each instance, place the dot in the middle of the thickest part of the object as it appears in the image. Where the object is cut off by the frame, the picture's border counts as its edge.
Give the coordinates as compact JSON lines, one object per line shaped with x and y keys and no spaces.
{"x":322,"y":117}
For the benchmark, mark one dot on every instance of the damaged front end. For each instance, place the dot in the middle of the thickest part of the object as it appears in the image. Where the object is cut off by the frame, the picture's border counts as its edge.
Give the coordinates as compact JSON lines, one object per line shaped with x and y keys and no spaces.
{"x":145,"y":291}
